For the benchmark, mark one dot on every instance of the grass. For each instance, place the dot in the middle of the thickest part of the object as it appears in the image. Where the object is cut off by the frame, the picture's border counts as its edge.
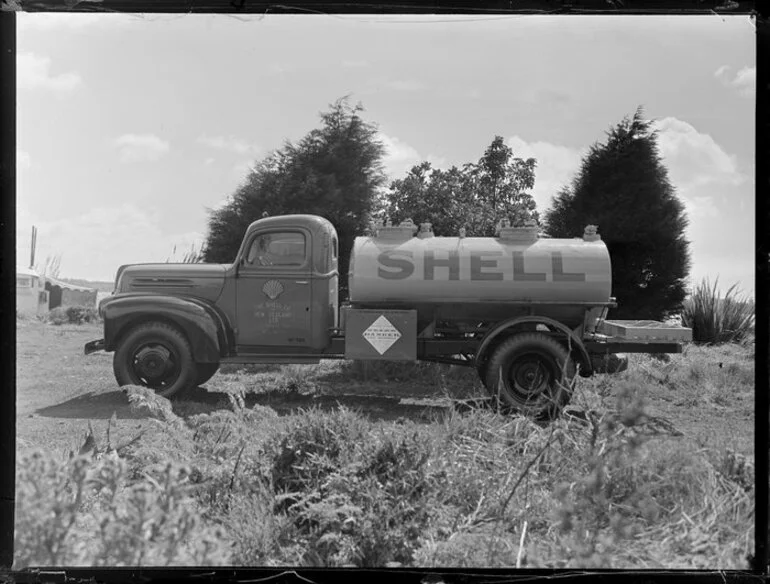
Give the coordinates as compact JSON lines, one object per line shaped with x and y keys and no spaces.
{"x":714,"y":319}
{"x":651,"y":468}
{"x":336,"y":489}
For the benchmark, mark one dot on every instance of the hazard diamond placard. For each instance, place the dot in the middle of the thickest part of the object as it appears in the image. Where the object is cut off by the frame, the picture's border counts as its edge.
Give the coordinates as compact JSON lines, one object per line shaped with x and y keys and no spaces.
{"x":380,"y":334}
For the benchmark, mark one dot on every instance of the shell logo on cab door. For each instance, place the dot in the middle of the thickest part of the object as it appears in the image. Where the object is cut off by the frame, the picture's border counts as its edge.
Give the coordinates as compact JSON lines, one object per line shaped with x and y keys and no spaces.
{"x":272,"y":289}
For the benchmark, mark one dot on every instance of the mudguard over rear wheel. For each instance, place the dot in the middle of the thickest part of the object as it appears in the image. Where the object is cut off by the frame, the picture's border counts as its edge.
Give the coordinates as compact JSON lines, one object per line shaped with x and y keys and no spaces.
{"x":157,"y":356}
{"x":531,"y":373}
{"x":206,"y":371}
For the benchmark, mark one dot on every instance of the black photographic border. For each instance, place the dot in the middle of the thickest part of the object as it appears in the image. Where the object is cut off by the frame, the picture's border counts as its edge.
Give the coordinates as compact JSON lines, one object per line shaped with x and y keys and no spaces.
{"x":8,"y":8}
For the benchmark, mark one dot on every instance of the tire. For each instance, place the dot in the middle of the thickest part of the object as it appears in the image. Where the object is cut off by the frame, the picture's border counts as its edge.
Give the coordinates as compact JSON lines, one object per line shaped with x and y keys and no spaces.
{"x":206,"y":371}
{"x":536,"y":373}
{"x":157,"y":356}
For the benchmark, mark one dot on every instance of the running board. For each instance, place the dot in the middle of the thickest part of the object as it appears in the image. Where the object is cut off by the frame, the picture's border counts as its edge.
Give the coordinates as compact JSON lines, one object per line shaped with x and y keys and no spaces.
{"x":265,"y":359}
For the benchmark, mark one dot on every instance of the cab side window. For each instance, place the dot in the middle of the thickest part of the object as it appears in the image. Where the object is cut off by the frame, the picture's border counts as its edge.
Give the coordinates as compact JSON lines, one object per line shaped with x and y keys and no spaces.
{"x":287,"y":248}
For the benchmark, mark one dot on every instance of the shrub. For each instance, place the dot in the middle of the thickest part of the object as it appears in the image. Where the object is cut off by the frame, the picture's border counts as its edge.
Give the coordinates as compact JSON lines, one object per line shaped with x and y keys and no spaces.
{"x":89,"y":512}
{"x":718,"y":320}
{"x":314,"y":445}
{"x":58,"y":316}
{"x":368,"y":504}
{"x":72,"y":315}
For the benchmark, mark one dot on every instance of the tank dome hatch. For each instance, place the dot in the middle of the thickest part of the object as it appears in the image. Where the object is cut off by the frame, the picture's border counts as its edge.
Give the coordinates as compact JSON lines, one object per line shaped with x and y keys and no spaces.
{"x":404,"y":230}
{"x":591,"y":233}
{"x":524,"y":233}
{"x":426,"y":230}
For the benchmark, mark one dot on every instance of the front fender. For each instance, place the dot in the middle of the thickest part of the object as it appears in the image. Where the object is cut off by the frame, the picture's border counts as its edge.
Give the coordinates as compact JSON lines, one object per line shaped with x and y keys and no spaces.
{"x":205,"y":327}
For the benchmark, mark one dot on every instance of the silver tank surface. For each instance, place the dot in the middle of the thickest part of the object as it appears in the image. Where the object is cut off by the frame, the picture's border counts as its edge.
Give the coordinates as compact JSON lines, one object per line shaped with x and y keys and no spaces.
{"x":479,"y":270}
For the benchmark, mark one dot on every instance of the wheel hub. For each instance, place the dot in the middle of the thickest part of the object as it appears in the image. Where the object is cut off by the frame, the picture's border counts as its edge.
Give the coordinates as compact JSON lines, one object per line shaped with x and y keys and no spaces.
{"x":530,"y":376}
{"x":153,"y":362}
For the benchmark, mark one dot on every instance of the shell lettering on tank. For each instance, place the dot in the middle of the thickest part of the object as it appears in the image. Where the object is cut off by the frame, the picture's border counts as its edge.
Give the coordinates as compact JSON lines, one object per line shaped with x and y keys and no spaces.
{"x":486,"y":260}
{"x":558,"y":270}
{"x":518,"y":270}
{"x":451,"y":262}
{"x":399,"y":265}
{"x":403,"y":266}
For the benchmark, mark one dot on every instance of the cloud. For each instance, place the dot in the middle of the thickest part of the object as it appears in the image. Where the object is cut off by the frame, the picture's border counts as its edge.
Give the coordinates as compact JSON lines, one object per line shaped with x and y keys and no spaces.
{"x":693,"y":158}
{"x":47,"y":21}
{"x":556,"y":166}
{"x":33,"y":72}
{"x":230,"y":144}
{"x":745,"y":80}
{"x":278,"y":69}
{"x":721,"y":72}
{"x":696,"y":163}
{"x":354,"y":64}
{"x":93,"y":245}
{"x":403,"y":85}
{"x":401,"y":157}
{"x":138,"y":148}
{"x":23,"y":160}
{"x":379,"y":84}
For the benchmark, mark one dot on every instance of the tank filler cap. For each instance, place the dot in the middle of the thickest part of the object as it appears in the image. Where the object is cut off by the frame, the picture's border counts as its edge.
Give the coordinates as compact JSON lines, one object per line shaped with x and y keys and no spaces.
{"x":526,"y":233}
{"x":590,"y":233}
{"x":426,"y":230}
{"x":404,"y":230}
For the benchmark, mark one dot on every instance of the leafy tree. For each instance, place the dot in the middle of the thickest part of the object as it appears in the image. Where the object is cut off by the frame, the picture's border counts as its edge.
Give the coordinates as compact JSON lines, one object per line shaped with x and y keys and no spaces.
{"x":475,"y":196}
{"x":623,"y":187}
{"x":334,"y":171}
{"x":51,"y":268}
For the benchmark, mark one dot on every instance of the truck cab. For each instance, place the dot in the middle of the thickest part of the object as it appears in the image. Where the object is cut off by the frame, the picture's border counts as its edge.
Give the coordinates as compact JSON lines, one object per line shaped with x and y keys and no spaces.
{"x":282,"y":289}
{"x":171,"y":325}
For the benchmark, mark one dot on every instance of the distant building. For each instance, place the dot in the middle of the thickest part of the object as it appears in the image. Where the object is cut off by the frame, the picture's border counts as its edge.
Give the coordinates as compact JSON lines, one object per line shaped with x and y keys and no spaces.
{"x":31,"y":295}
{"x":64,"y":294}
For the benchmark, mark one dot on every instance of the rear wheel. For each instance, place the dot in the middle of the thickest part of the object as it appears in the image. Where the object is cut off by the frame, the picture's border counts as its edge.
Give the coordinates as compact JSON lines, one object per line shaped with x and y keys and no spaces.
{"x":157,"y":356}
{"x":532,"y":373}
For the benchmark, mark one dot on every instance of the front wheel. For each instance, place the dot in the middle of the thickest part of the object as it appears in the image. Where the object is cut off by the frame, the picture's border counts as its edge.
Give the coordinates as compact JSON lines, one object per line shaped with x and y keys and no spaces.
{"x":532,"y":373}
{"x":157,"y":356}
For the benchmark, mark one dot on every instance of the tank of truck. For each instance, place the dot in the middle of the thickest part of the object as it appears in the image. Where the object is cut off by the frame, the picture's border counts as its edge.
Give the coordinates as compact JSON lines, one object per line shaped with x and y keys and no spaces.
{"x":392,"y":268}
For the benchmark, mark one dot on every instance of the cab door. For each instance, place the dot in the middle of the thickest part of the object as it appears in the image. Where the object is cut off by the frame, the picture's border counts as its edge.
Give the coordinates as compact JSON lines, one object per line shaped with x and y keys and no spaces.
{"x":273,"y":290}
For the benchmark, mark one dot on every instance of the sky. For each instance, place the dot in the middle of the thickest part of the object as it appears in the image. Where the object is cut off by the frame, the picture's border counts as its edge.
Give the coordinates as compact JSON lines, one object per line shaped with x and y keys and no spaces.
{"x":131,"y":127}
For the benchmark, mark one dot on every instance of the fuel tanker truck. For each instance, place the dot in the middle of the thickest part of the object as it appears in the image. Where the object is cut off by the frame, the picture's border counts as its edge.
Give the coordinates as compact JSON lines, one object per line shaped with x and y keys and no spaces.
{"x":527,"y":312}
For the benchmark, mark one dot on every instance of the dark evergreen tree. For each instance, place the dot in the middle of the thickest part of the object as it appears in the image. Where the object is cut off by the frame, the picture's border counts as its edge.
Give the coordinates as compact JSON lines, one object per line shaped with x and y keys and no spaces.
{"x":334,"y":171}
{"x":623,"y":188}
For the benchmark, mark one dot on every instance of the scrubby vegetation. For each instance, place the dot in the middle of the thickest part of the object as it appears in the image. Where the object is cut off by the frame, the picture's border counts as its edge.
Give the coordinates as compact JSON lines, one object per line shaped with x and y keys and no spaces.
{"x":715,"y":319}
{"x":611,"y":486}
{"x":71,"y":315}
{"x":650,"y":468}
